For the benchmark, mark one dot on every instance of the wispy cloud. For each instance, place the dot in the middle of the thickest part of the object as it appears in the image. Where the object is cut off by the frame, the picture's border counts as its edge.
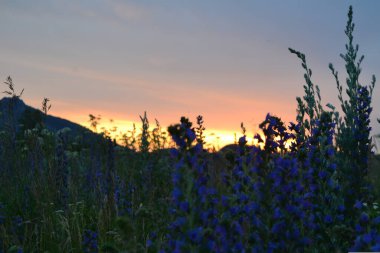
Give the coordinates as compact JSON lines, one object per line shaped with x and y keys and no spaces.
{"x":128,"y":11}
{"x":174,"y":94}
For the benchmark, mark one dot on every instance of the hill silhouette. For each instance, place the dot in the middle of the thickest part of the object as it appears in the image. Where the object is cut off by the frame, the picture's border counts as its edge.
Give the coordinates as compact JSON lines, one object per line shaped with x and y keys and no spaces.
{"x":26,"y":117}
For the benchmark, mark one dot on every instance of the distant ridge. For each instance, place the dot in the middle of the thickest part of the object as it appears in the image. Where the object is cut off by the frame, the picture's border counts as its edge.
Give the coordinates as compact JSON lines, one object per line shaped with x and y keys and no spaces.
{"x":21,"y":111}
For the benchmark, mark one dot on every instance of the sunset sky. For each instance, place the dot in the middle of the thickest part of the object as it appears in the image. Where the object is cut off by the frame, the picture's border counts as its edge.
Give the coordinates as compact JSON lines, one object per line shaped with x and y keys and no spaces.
{"x":226,"y":60}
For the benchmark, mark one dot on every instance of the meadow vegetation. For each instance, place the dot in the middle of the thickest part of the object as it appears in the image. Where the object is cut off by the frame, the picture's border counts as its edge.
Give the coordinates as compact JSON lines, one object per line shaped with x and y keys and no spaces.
{"x":83,"y":192}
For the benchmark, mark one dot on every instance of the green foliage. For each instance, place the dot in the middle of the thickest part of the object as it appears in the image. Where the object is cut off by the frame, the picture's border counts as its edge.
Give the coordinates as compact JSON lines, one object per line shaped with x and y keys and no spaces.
{"x":145,"y":136}
{"x":199,"y":130}
{"x":11,"y":89}
{"x":310,"y":104}
{"x":85,"y":193}
{"x":94,"y":121}
{"x":353,"y":131}
{"x":46,"y":106}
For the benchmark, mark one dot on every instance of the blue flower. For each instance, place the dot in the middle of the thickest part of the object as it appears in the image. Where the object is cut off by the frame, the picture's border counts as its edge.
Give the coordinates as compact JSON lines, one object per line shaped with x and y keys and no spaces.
{"x":332,"y":166}
{"x":90,"y":241}
{"x":330,"y":151}
{"x":358,"y":228}
{"x":277,"y":213}
{"x":364,"y":218}
{"x":358,"y":204}
{"x":376,"y":247}
{"x":198,"y":147}
{"x":174,"y":152}
{"x":180,"y":221}
{"x":176,"y":193}
{"x":322,"y":174}
{"x":196,"y":234}
{"x":238,"y":228}
{"x":277,"y":227}
{"x":238,"y":247}
{"x":184,"y":206}
{"x":367,"y":238}
{"x":376,"y":220}
{"x":242,"y":141}
{"x":328,"y":219}
{"x":224,"y":200}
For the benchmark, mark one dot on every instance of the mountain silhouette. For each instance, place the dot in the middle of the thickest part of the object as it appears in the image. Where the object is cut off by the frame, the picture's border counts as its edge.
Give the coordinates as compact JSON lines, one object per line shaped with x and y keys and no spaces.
{"x":27,"y":117}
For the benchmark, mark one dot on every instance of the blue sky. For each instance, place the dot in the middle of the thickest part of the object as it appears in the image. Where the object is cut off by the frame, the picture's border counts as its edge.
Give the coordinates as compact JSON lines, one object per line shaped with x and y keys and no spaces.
{"x":226,"y":60}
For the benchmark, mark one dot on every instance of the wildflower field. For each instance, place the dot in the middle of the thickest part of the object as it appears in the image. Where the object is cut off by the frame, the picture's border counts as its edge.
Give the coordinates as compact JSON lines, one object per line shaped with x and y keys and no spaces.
{"x":310,"y":186}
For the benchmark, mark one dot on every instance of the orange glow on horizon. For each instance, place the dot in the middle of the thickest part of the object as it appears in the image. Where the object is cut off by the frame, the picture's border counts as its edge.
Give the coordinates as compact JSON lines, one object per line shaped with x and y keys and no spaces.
{"x":215,"y":138}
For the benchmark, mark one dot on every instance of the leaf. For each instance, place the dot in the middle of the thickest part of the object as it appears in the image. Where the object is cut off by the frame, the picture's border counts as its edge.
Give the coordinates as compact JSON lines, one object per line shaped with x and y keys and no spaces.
{"x":331,"y":106}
